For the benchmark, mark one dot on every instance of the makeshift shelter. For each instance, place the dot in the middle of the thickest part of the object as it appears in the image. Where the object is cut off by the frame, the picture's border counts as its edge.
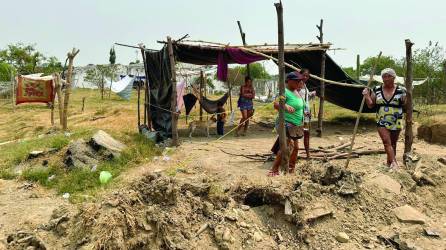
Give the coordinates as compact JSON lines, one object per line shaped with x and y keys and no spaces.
{"x":399,"y":80}
{"x":158,"y":69}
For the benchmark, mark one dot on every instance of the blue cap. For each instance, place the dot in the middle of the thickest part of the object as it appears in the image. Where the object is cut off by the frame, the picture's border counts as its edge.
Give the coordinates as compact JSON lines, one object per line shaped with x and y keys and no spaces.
{"x":294,"y":76}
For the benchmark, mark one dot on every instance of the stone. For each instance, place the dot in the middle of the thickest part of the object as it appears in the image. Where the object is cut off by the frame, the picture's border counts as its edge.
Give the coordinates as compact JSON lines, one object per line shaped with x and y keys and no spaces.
{"x":288,"y":208}
{"x":387,"y":183}
{"x":80,"y":155}
{"x":208,"y":209}
{"x":342,"y":237}
{"x":442,"y":160}
{"x":103,"y":140}
{"x":243,"y":224}
{"x":257,"y":236}
{"x":245,"y":207}
{"x":231,"y":216}
{"x":279,"y":237}
{"x":227,"y":235}
{"x":431,"y":232}
{"x":408,"y":214}
{"x":317,"y":213}
{"x":35,"y":154}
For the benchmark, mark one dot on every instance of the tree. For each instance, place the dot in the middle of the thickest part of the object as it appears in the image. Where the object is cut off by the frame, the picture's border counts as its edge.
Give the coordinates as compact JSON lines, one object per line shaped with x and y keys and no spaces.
{"x":236,"y":75}
{"x":25,"y":59}
{"x":97,"y":75}
{"x":5,"y":71}
{"x":384,"y":62}
{"x":112,"y":60}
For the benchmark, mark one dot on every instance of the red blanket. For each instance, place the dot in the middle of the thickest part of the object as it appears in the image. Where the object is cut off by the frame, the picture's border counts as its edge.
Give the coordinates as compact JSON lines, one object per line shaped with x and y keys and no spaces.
{"x":34,"y":90}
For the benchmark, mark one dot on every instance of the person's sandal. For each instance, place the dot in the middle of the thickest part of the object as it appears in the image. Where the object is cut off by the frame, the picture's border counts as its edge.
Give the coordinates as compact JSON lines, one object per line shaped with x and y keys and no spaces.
{"x":273,"y":173}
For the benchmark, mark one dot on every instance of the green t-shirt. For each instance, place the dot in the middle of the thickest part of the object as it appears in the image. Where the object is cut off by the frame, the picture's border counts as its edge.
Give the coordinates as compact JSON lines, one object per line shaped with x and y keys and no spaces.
{"x":298,"y":104}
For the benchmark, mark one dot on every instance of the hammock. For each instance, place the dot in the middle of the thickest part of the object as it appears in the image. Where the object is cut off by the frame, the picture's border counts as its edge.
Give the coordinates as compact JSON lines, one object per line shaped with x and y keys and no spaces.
{"x":211,"y":106}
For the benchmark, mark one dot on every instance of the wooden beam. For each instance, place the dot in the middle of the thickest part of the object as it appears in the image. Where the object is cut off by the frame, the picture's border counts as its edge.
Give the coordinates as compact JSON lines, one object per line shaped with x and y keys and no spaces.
{"x":281,"y":65}
{"x":355,"y":130}
{"x":201,"y":93}
{"x":408,"y":132}
{"x":13,"y":89}
{"x":147,"y":114}
{"x":358,"y":67}
{"x":320,"y":116}
{"x":243,"y":35}
{"x":173,"y":107}
{"x":71,"y":55}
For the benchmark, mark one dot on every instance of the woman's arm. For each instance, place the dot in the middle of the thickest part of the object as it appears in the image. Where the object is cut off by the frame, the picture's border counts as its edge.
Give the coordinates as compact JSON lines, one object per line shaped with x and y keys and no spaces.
{"x":369,"y":97}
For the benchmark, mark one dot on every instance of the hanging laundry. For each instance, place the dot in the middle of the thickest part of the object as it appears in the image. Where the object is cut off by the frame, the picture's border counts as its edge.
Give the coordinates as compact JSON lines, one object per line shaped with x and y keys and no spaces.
{"x":123,"y":88}
{"x":35,"y":88}
{"x":189,"y":102}
{"x":237,"y":55}
{"x":181,"y":88}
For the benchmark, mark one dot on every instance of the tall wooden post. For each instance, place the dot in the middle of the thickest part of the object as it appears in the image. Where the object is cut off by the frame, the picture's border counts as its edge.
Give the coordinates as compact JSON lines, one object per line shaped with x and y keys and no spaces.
{"x":13,"y":89}
{"x":320,"y":116}
{"x":147,"y":113}
{"x":358,"y":68}
{"x":243,"y":35}
{"x":57,"y":78}
{"x":71,"y":55}
{"x":282,"y":134}
{"x":139,"y":112}
{"x":408,"y":133}
{"x":173,"y":79}
{"x":201,"y":93}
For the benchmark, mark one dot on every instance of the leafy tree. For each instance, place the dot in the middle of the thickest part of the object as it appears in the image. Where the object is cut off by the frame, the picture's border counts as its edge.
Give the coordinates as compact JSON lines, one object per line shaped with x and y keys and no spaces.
{"x":384,"y":62}
{"x":5,"y":71}
{"x":97,"y":75}
{"x":350,"y":71}
{"x":51,"y":65}
{"x":197,"y":80}
{"x":112,"y":60}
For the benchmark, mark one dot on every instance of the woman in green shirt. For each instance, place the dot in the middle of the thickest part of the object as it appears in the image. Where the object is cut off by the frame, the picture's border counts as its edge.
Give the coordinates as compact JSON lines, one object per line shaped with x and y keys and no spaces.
{"x":294,"y":111}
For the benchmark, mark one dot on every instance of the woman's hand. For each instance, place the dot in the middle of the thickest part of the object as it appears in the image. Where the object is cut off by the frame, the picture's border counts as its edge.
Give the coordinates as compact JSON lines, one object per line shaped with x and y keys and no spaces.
{"x":289,"y":108}
{"x":366,"y":92}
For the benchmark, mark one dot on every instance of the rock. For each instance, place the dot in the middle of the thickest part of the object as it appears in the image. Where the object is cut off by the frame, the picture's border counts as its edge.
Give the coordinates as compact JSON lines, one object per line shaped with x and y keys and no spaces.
{"x":387,"y":183}
{"x":408,"y":214}
{"x":316,"y":213}
{"x":288,"y":208}
{"x":257,"y":236}
{"x":208,"y":209}
{"x":243,"y":224}
{"x":80,"y":155}
{"x":279,"y":237}
{"x":342,"y":237}
{"x":231,"y":216}
{"x":227,"y":235}
{"x":442,"y":160}
{"x":431,"y":233}
{"x":35,"y":154}
{"x":245,"y":207}
{"x":105,"y":141}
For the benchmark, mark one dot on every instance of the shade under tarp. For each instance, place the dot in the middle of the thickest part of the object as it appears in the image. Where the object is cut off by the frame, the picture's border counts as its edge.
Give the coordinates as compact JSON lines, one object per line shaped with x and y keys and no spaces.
{"x":343,"y":96}
{"x":211,"y":106}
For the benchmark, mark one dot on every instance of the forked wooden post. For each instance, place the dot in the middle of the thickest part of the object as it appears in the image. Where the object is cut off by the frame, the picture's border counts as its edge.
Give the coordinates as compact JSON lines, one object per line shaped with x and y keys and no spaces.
{"x":243,"y":35}
{"x":320,"y":117}
{"x":173,"y":79}
{"x":71,"y":55}
{"x":408,"y":132}
{"x":355,"y":130}
{"x":59,"y":97}
{"x":13,"y":90}
{"x":83,"y":104}
{"x":281,"y":57}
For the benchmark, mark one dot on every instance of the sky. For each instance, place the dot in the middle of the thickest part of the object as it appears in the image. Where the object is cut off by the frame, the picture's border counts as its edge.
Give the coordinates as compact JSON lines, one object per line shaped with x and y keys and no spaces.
{"x":358,"y":26}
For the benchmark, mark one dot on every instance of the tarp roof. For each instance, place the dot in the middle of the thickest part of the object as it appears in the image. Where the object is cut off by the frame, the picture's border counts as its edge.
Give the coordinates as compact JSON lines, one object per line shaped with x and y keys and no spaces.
{"x":300,"y":55}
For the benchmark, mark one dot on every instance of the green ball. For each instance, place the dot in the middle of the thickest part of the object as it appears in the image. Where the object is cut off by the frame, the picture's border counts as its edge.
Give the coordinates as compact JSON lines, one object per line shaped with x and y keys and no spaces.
{"x":105,"y":177}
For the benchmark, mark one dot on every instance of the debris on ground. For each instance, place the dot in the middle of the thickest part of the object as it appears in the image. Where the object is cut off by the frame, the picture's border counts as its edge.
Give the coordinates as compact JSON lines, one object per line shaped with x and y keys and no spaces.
{"x":408,"y":214}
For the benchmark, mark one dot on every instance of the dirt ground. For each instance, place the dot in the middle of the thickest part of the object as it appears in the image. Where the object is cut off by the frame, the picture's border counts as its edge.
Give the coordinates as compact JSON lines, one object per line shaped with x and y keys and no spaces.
{"x":203,"y":197}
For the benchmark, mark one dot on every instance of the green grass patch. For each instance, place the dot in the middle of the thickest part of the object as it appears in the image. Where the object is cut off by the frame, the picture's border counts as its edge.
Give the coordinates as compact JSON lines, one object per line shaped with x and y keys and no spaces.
{"x":7,"y":174}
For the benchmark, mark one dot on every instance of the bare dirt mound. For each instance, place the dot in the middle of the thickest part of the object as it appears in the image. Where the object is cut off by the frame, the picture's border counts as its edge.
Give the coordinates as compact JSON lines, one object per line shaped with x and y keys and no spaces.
{"x":434,"y":133}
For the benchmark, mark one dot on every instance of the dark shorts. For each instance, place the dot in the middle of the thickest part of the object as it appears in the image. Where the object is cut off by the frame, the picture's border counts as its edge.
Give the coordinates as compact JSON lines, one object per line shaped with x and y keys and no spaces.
{"x":245,"y":104}
{"x":293,"y":134}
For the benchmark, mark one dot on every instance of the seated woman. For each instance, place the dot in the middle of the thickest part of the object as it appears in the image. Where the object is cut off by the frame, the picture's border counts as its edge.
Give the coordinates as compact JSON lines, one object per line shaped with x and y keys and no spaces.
{"x":389,"y":100}
{"x":294,"y":111}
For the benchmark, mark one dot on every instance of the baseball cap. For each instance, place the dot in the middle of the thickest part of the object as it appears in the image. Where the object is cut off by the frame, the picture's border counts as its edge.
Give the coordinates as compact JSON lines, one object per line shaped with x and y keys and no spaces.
{"x":294,"y":76}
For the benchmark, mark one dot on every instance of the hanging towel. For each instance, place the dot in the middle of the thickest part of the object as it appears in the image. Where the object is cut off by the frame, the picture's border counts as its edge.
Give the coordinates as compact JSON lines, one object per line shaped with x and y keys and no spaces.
{"x":123,"y":87}
{"x":181,"y":88}
{"x":236,"y":54}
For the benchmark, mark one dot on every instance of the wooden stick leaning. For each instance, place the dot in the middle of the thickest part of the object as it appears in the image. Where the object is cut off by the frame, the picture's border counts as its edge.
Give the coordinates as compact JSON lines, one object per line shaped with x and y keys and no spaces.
{"x":355,"y":130}
{"x":297,"y":69}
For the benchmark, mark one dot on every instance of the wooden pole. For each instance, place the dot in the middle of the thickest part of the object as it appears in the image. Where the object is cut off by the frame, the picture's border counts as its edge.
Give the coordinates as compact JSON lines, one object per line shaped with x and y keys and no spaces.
{"x":320,"y":116}
{"x":358,"y":67}
{"x":71,"y":55}
{"x":243,"y":35}
{"x":13,"y":89}
{"x":408,"y":133}
{"x":282,"y":134}
{"x":147,"y":112}
{"x":139,"y":112}
{"x":355,"y":130}
{"x":201,"y":94}
{"x":83,"y":104}
{"x":59,"y":98}
{"x":173,"y":106}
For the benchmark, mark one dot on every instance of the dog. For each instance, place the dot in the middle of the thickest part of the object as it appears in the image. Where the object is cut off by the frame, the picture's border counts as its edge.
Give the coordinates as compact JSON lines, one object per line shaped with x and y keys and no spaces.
{"x":201,"y":124}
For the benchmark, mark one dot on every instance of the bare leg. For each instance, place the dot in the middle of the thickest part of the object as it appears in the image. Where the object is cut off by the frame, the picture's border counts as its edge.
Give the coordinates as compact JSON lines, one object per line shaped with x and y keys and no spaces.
{"x":307,"y":142}
{"x":385,"y":137}
{"x":394,"y":134}
{"x":249,"y":114}
{"x":293,"y":156}
{"x":275,"y":169}
{"x":242,"y":120}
